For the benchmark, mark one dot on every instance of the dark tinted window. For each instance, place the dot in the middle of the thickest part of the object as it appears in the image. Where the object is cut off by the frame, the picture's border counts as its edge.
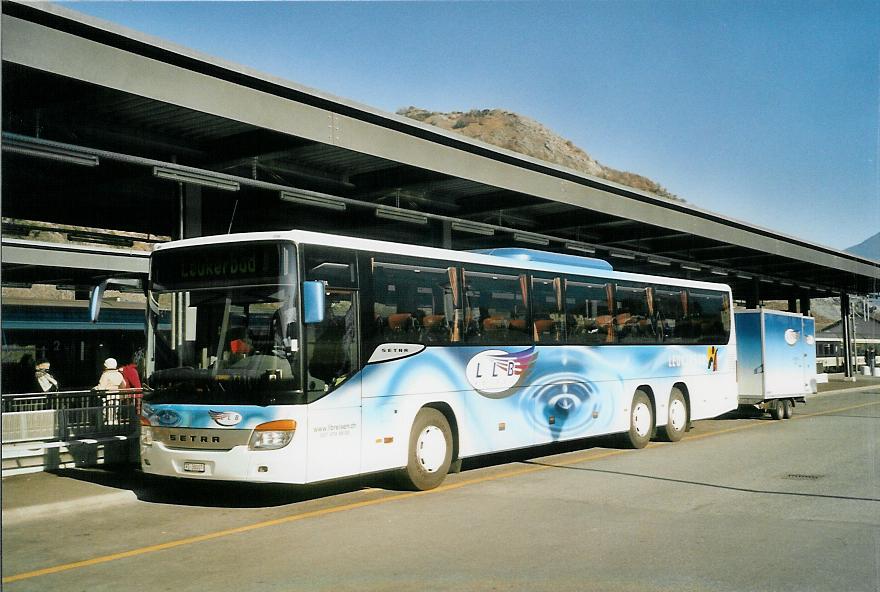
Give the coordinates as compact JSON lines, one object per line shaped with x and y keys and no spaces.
{"x":588,"y":312}
{"x":415,"y":302}
{"x":336,"y":267}
{"x":669,"y":303}
{"x":548,"y":314}
{"x":634,"y":318}
{"x":496,"y":310}
{"x":708,"y":315}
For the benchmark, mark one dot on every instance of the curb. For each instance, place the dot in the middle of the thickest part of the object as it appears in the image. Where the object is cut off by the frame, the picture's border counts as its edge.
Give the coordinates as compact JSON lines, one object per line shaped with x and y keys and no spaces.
{"x":72,"y":506}
{"x":852,"y":389}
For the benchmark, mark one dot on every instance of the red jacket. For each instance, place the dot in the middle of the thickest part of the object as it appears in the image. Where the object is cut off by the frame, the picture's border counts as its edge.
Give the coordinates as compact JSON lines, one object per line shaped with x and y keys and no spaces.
{"x":130,"y":374}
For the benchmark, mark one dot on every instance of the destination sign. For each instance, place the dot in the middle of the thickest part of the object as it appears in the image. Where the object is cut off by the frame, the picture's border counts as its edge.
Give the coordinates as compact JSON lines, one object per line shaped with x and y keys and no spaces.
{"x":235,"y":264}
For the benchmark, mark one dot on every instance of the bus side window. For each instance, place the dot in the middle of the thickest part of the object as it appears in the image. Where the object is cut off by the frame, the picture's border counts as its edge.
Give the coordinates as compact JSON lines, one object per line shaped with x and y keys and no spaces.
{"x":548,"y":314}
{"x":414,"y":301}
{"x":496,"y":309}
{"x":633,"y":320}
{"x":588,"y":307}
{"x":669,"y":306}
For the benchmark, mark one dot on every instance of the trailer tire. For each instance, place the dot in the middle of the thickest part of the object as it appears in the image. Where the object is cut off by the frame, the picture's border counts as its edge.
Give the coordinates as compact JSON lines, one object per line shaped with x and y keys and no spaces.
{"x":787,"y":408}
{"x":430,"y":451}
{"x":641,"y":421}
{"x":679,"y":417}
{"x":777,"y":410}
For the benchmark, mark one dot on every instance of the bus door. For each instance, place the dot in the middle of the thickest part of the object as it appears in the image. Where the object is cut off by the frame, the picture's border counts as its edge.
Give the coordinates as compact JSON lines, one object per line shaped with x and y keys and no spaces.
{"x":333,"y":378}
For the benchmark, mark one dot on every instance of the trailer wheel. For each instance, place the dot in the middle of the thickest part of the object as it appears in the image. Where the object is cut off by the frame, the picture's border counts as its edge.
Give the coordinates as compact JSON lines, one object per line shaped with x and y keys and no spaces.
{"x":777,"y":410}
{"x":430,"y":451}
{"x":787,"y":408}
{"x":641,"y":421}
{"x":679,"y":415}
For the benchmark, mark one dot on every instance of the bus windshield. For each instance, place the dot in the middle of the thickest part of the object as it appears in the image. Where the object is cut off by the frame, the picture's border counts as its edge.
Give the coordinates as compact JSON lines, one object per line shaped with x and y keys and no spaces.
{"x":225,"y":344}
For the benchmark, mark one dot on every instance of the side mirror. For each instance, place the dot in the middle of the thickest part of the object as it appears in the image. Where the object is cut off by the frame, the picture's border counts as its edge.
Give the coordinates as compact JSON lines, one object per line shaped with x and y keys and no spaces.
{"x":95,"y":301}
{"x":313,"y":302}
{"x":98,"y":293}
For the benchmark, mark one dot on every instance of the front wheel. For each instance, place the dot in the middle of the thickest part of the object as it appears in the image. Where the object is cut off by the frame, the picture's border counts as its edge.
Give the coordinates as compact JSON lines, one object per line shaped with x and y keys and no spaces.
{"x":641,"y":421}
{"x":677,"y":422}
{"x":430,"y":451}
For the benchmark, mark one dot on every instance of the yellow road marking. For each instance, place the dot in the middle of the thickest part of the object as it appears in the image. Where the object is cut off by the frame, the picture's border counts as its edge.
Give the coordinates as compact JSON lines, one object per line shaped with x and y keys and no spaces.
{"x":355,"y":505}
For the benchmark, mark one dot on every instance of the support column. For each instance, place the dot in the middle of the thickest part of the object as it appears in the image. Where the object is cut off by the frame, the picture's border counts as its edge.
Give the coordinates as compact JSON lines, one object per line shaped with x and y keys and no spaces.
{"x":447,"y":234}
{"x":792,"y":305}
{"x":847,"y":335}
{"x":190,"y":210}
{"x":753,"y":297}
{"x":805,"y":305}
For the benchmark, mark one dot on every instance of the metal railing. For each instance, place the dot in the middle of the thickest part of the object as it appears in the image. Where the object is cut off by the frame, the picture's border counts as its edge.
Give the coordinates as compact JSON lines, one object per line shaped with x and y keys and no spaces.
{"x":70,"y":415}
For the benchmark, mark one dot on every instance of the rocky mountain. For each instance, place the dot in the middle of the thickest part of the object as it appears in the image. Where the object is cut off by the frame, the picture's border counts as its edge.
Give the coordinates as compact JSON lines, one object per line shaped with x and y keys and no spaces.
{"x":526,"y":136}
{"x":869,"y":248}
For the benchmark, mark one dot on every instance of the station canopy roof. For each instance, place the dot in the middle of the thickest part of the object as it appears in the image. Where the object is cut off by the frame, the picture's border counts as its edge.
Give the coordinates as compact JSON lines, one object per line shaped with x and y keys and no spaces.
{"x":105,"y":127}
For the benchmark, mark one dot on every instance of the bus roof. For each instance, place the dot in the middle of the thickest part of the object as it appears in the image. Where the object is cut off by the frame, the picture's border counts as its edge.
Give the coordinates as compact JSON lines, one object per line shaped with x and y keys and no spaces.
{"x":552,"y":262}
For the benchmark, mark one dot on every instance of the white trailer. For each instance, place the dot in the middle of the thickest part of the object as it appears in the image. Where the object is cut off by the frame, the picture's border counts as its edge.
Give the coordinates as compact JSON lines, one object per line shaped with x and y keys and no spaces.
{"x":776,"y":353}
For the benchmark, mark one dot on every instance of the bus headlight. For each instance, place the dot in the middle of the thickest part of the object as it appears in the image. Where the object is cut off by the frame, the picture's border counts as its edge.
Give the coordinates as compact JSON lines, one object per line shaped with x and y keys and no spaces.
{"x":146,"y":432}
{"x":272,"y":435}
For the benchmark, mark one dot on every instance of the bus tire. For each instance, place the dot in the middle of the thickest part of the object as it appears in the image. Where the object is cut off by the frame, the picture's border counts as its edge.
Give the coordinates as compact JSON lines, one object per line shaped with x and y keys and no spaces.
{"x":641,"y":421}
{"x":430,"y":451}
{"x":679,"y":416}
{"x":787,"y":408}
{"x":777,"y":410}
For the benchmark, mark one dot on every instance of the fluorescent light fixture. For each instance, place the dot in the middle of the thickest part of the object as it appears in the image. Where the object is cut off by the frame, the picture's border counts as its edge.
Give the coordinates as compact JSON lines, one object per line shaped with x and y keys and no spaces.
{"x":786,"y":283}
{"x":530,"y":238}
{"x":40,"y":150}
{"x":743,"y":276}
{"x":719,"y":272}
{"x":202,"y":178}
{"x":473,"y":228}
{"x":620,"y":255}
{"x":580,"y":247}
{"x":659,"y":261}
{"x":401,"y":215}
{"x":321,"y":201}
{"x":691,"y":267}
{"x":767,"y":280}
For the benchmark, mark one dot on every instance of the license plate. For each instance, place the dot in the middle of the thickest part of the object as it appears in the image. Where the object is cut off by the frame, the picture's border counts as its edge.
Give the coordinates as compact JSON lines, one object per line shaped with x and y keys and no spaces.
{"x":193,"y":467}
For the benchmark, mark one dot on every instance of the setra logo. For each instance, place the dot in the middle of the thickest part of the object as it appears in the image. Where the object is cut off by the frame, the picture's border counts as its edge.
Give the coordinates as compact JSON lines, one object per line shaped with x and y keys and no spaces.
{"x":494,"y":373}
{"x":225,"y":418}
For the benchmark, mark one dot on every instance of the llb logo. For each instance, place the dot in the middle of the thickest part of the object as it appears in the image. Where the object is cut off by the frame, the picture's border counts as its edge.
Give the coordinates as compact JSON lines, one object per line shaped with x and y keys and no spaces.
{"x":494,"y":373}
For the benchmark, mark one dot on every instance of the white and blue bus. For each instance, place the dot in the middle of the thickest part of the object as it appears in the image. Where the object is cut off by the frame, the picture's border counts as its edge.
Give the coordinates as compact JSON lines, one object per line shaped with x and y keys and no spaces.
{"x":297,"y":357}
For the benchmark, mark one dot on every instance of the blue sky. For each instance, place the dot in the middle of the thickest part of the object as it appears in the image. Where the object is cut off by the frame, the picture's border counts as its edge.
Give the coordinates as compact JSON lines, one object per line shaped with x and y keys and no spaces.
{"x":762,"y":111}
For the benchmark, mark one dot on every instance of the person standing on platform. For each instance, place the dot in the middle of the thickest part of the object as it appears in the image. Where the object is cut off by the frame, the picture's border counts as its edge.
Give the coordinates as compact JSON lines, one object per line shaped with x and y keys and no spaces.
{"x":45,"y":381}
{"x":111,"y":381}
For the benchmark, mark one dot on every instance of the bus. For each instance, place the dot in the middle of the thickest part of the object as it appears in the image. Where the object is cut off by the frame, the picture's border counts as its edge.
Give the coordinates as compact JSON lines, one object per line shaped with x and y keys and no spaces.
{"x":297,"y":357}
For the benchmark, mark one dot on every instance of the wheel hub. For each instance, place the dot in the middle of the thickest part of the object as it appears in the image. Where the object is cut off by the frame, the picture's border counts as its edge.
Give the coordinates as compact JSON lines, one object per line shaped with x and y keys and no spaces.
{"x":431,"y":449}
{"x":641,"y":418}
{"x":677,"y":415}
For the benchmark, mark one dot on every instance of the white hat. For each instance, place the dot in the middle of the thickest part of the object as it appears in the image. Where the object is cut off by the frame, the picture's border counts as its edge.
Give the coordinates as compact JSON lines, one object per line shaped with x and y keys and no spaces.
{"x":110,"y":363}
{"x":43,"y":366}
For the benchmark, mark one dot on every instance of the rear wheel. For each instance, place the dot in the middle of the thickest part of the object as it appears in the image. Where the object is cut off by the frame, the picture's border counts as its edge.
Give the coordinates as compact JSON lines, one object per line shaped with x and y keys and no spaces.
{"x":430,"y":451}
{"x":677,"y":422}
{"x":641,"y":421}
{"x":777,"y":410}
{"x":787,"y":408}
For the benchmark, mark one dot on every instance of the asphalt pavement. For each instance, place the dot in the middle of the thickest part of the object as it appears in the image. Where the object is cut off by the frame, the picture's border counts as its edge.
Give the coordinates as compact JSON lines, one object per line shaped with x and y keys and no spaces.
{"x":68,"y":491}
